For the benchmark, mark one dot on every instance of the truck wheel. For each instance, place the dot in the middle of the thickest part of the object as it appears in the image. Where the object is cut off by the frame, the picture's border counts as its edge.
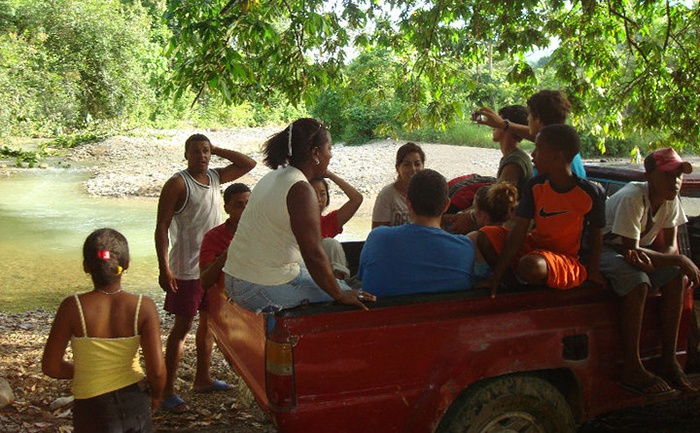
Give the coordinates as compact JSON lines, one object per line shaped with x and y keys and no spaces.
{"x":519,"y":404}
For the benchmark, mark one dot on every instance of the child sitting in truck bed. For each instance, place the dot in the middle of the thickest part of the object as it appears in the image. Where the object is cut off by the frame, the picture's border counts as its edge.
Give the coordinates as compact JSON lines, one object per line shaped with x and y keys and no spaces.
{"x":636,"y":214}
{"x":561,"y":205}
{"x":493,"y":206}
{"x":332,"y":223}
{"x":419,"y":257}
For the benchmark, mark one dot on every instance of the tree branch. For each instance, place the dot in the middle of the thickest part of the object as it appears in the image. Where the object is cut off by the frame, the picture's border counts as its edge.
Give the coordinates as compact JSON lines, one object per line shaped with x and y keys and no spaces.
{"x":630,"y":42}
{"x":433,"y":29}
{"x":298,"y":38}
{"x":228,"y":6}
{"x":668,"y":25}
{"x":201,"y":90}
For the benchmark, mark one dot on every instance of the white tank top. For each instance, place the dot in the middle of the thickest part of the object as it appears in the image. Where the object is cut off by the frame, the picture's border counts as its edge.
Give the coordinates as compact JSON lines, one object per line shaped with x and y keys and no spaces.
{"x":200,"y":213}
{"x":264,"y":250}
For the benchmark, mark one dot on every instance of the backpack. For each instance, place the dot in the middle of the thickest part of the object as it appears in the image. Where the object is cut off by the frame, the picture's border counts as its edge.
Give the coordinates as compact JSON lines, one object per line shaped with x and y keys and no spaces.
{"x":462,"y":190}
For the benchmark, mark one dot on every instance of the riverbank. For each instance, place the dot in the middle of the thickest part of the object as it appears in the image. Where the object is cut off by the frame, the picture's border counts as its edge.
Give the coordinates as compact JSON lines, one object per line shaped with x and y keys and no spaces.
{"x":137,"y":166}
{"x":140,"y":165}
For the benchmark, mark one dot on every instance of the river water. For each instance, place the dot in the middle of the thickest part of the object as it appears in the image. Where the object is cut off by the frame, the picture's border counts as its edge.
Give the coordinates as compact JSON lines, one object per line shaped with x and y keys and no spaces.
{"x":45,"y":216}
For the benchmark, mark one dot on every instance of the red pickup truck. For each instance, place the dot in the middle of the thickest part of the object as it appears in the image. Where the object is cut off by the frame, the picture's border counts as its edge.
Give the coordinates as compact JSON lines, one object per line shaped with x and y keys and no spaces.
{"x":528,"y":360}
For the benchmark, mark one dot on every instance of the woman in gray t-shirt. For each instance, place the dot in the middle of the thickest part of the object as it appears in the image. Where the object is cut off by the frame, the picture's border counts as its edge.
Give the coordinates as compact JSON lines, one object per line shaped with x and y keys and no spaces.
{"x":390,"y":208}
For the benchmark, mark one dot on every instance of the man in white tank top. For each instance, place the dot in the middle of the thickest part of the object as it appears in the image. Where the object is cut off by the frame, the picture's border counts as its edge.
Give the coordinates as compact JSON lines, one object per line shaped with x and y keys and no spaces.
{"x":188,"y":207}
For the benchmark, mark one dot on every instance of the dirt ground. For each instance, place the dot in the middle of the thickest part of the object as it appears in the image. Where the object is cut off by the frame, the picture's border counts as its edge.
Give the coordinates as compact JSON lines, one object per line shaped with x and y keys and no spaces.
{"x":37,"y":406}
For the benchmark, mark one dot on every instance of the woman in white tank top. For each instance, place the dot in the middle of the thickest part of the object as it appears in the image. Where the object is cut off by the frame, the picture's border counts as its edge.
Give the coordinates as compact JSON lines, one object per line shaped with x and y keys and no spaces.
{"x":275,"y":260}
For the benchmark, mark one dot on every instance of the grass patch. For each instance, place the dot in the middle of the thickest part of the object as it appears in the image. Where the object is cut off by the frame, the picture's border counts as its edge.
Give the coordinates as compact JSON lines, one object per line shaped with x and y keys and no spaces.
{"x":461,"y":133}
{"x":70,"y":141}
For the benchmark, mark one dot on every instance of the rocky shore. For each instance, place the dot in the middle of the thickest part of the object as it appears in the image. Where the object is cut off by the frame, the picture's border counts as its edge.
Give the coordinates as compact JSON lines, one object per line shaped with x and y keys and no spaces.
{"x":140,"y":165}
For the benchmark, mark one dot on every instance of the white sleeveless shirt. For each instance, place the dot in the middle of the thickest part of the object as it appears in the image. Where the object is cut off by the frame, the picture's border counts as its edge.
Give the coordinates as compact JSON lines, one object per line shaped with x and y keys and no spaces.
{"x":264,"y":250}
{"x":200,"y":213}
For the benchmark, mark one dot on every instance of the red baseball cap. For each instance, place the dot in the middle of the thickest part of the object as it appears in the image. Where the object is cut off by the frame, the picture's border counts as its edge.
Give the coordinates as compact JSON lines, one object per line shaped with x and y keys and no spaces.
{"x":666,"y":160}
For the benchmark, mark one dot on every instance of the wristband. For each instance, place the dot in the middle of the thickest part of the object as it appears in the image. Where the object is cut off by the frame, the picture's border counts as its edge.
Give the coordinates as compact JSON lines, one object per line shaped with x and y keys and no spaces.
{"x":507,"y":125}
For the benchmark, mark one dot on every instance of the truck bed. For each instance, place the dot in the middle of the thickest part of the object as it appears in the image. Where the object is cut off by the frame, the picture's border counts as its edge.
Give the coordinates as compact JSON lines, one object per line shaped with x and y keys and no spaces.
{"x":403,"y":363}
{"x":408,"y":362}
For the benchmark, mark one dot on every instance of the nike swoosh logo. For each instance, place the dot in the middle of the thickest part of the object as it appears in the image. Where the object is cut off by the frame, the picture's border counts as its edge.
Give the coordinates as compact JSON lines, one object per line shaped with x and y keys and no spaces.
{"x":545,"y":214}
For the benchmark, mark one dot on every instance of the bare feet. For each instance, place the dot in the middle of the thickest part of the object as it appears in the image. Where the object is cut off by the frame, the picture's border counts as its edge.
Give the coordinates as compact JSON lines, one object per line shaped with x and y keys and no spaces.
{"x":674,"y":375}
{"x":645,"y":383}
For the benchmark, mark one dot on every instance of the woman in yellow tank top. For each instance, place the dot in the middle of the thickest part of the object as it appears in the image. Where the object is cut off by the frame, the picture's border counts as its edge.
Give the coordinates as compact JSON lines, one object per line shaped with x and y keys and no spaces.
{"x":106,"y":327}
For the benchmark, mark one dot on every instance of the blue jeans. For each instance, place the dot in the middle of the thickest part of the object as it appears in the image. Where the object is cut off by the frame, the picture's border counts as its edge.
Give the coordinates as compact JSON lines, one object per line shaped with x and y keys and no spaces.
{"x":262,"y":298}
{"x":124,"y":410}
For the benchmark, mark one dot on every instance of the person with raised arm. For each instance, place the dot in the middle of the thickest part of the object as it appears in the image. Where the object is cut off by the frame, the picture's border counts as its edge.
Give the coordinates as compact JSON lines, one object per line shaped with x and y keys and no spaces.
{"x":332,"y":223}
{"x":189,"y":206}
{"x":546,"y":107}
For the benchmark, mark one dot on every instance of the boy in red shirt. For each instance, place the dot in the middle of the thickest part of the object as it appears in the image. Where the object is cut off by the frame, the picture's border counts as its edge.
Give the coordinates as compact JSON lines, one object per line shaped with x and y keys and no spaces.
{"x":212,"y":254}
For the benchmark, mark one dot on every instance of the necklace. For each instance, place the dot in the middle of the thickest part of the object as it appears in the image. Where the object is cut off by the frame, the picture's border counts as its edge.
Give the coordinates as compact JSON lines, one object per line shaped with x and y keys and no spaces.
{"x":109,"y":293}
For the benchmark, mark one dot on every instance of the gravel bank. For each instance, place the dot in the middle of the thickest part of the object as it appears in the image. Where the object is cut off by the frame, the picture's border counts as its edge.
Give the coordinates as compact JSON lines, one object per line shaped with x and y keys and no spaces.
{"x":140,"y":165}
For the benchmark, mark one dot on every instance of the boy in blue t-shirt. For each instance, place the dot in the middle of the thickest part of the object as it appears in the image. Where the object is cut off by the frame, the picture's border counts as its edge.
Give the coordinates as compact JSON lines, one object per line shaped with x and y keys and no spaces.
{"x":418,"y":257}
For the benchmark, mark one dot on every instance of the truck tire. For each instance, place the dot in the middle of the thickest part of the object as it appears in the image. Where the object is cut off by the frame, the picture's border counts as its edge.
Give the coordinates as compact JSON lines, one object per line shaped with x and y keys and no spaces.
{"x":522,"y":404}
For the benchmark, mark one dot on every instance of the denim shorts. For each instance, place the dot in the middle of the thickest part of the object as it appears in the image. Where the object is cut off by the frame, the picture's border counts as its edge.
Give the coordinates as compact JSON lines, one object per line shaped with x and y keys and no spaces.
{"x":261,"y":298}
{"x":625,"y":277}
{"x":122,"y":410}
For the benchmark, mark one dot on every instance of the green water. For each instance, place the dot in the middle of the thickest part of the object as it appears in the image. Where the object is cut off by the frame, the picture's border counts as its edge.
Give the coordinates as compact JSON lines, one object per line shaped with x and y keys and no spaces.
{"x":45,"y":216}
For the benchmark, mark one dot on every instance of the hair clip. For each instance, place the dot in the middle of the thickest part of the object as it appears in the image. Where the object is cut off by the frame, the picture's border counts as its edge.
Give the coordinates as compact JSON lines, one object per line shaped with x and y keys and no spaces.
{"x":103,"y":254}
{"x":289,"y":143}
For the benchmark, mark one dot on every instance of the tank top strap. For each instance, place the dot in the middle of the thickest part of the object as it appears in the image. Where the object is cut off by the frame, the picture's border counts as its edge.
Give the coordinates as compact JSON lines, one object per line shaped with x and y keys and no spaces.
{"x":82,"y":317}
{"x":187,"y":178}
{"x":136,"y":316}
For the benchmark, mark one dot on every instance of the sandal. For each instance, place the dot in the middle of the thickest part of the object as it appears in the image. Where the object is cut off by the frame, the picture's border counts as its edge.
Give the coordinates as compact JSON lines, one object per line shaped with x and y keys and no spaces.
{"x":174,"y":404}
{"x":217,"y":385}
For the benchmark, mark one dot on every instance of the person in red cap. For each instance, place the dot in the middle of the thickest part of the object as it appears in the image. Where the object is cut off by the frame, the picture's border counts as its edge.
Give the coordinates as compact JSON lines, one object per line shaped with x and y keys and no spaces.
{"x":635,"y":262}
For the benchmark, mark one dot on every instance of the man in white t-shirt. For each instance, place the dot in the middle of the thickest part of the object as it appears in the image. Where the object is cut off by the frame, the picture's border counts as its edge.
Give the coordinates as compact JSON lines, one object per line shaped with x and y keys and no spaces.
{"x":634,"y":263}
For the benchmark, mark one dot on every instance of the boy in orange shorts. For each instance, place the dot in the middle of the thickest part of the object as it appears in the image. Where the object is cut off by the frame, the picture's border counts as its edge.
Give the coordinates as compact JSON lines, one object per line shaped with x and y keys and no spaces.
{"x":562,"y":205}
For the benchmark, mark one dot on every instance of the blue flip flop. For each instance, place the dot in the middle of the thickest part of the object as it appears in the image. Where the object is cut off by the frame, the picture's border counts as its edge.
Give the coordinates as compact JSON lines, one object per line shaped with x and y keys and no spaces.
{"x":218,"y":385}
{"x":174,"y":404}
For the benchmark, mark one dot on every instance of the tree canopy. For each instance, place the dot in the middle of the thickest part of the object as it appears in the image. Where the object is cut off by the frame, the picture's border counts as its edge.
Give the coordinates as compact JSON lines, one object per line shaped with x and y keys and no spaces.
{"x":63,"y":62}
{"x":628,"y":66}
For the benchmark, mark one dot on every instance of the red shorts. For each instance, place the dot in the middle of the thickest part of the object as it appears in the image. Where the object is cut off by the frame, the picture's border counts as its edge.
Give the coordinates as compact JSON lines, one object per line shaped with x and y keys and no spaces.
{"x":189,"y":298}
{"x":563,"y":271}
